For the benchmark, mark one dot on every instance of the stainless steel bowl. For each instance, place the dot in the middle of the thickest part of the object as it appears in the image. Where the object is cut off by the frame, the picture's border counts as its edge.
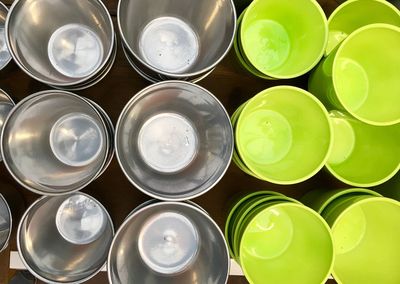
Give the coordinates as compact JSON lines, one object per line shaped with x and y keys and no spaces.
{"x":6,"y":105}
{"x":60,"y":43}
{"x":5,"y":56}
{"x":175,"y":39}
{"x":55,"y":142}
{"x":5,"y":223}
{"x":174,"y":140}
{"x":168,"y":242}
{"x":52,"y":258}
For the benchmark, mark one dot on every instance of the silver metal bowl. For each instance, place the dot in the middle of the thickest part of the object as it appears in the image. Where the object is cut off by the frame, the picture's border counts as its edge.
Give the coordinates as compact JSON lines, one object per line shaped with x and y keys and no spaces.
{"x":175,"y":39}
{"x":6,"y":105}
{"x":168,"y":242}
{"x":52,"y":258}
{"x":55,"y":142}
{"x":174,"y":140}
{"x":5,"y":223}
{"x":5,"y":56}
{"x":60,"y":43}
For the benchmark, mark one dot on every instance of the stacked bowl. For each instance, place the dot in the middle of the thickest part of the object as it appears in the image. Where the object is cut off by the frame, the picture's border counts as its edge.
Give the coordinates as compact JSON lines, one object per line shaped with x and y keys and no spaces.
{"x":174,"y":140}
{"x":6,"y":105}
{"x":168,"y":242}
{"x":176,"y":40}
{"x":5,"y":223}
{"x":55,"y":142}
{"x":5,"y":56}
{"x":67,"y":45}
{"x":283,"y":135}
{"x":365,"y":231}
{"x":281,"y":39}
{"x":276,"y":239}
{"x":358,"y":82}
{"x":74,"y":232}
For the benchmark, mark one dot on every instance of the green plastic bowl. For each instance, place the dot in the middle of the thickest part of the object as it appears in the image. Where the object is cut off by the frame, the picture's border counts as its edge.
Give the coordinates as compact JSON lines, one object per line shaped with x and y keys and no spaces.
{"x":283,"y":135}
{"x":235,"y":157}
{"x":366,"y":235}
{"x":233,"y":212}
{"x":284,"y":38}
{"x":246,"y":220}
{"x":243,"y":61}
{"x":248,"y":210}
{"x":287,"y":243}
{"x":366,"y":74}
{"x":354,"y":14}
{"x":363,"y":155}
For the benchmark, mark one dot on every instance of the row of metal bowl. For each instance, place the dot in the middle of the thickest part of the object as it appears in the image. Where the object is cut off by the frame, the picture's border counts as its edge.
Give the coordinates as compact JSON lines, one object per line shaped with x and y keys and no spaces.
{"x":173,"y":140}
{"x":69,"y":238}
{"x":72,"y":45}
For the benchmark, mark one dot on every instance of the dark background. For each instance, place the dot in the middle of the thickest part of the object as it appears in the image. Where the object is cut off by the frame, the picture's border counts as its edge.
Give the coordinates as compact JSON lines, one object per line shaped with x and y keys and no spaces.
{"x":228,"y":82}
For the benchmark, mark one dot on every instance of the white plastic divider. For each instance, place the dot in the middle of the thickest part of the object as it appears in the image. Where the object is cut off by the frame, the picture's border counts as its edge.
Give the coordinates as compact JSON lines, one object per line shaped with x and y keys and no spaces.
{"x":16,"y":263}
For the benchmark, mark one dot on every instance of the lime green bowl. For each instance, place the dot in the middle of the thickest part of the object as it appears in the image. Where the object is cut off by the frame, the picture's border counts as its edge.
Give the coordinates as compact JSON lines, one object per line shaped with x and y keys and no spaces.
{"x":247,"y":210}
{"x":366,"y":234}
{"x":283,"y":135}
{"x":284,"y":38}
{"x":235,"y":157}
{"x":246,"y":220}
{"x":319,"y":199}
{"x":233,"y":213}
{"x":365,"y":74}
{"x":241,"y":56}
{"x":286,"y":243}
{"x":354,"y":14}
{"x":363,"y":155}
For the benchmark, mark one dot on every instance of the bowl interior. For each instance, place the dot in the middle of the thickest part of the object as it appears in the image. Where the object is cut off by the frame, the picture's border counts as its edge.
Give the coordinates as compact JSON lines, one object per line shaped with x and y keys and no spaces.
{"x":210,"y":264}
{"x":283,"y":243}
{"x":283,"y":134}
{"x":353,"y":141}
{"x":200,"y":32}
{"x":209,"y":135}
{"x":49,"y":255}
{"x":31,"y":25}
{"x":360,"y":234}
{"x":34,"y":154}
{"x":284,"y":38}
{"x":361,"y":61}
{"x":355,"y":14}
